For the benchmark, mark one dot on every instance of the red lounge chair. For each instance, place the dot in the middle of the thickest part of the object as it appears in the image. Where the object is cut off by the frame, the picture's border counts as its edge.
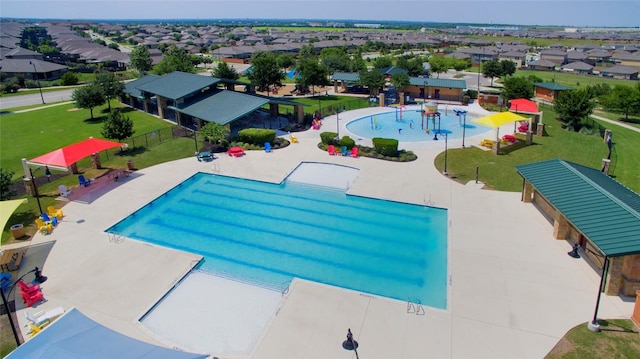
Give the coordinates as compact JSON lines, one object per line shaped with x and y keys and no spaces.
{"x":354,"y":152}
{"x":332,"y":150}
{"x":28,"y":288}
{"x":235,"y":151}
{"x":523,"y":128}
{"x":32,"y":298}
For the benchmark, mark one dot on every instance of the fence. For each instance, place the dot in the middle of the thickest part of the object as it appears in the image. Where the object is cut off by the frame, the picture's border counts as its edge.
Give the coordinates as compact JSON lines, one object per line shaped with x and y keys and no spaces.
{"x":158,"y":136}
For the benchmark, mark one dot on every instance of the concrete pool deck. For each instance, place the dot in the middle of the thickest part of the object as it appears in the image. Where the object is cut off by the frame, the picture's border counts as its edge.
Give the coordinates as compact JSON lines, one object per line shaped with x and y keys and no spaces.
{"x":513,"y":291}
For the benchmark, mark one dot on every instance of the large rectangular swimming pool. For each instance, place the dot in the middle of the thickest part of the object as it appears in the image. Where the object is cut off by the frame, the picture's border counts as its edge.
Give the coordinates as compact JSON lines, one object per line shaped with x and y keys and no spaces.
{"x":268,"y":234}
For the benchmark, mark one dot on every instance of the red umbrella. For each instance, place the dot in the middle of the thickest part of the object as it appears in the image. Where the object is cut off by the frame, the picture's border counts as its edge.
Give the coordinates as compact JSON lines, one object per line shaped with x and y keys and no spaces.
{"x":68,"y":155}
{"x":523,"y":105}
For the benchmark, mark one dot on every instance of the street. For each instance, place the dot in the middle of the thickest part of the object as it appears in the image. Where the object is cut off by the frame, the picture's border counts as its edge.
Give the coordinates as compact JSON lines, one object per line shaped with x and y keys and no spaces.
{"x":7,"y":102}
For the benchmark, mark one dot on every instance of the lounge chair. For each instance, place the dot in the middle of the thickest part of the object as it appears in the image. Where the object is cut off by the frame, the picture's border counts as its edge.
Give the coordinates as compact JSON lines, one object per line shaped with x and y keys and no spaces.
{"x":83,"y":181}
{"x":331,"y":150}
{"x":44,"y":228}
{"x":294,"y":139}
{"x":343,"y":151}
{"x":41,"y":317}
{"x":64,"y":192}
{"x":267,"y":147}
{"x":55,"y":212}
{"x":31,"y":298}
{"x":35,"y":329}
{"x":27,"y":288}
{"x":354,"y":152}
{"x":205,"y":156}
{"x":5,"y":281}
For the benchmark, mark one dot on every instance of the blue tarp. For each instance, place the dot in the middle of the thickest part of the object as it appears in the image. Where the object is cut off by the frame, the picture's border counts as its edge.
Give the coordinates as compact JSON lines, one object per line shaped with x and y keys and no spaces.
{"x":76,"y":336}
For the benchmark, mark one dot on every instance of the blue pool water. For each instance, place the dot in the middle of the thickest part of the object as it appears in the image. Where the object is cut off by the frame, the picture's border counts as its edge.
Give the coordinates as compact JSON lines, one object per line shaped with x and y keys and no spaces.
{"x":270,"y":233}
{"x":413,"y":126}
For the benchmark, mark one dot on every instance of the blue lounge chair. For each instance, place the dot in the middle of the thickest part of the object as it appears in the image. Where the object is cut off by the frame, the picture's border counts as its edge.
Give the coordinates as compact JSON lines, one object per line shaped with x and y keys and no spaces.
{"x":267,"y":147}
{"x":343,"y":151}
{"x":83,"y":181}
{"x":46,"y":219}
{"x":205,"y":156}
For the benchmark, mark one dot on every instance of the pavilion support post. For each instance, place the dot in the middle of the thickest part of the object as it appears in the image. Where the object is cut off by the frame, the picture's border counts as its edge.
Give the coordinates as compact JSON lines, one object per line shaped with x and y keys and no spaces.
{"x":593,"y":324}
{"x":74,"y":168}
{"x":560,"y":226}
{"x":95,"y":161}
{"x":527,"y":191}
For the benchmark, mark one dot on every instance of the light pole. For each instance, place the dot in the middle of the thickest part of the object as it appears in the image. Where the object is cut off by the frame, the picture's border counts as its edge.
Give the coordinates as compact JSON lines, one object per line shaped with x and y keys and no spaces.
{"x":39,"y":279}
{"x":445,"y":155}
{"x":35,"y":73}
{"x":338,"y":123}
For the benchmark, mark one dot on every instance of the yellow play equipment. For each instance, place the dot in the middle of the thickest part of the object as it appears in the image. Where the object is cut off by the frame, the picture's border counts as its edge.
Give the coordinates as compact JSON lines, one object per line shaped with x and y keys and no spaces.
{"x":44,"y":228}
{"x":487,"y":143}
{"x":55,"y":212}
{"x":294,"y":139}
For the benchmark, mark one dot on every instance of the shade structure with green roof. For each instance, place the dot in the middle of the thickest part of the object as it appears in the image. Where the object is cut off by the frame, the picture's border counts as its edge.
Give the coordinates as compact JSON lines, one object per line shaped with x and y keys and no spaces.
{"x":177,"y":85}
{"x":222,"y":107}
{"x":606,"y":212}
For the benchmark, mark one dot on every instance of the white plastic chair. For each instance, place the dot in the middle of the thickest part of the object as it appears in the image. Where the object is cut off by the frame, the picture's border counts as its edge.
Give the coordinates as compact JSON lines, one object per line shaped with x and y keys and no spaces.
{"x":64,"y":192}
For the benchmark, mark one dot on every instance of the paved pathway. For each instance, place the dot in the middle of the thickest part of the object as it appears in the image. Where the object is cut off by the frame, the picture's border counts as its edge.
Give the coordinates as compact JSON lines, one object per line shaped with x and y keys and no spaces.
{"x":512,"y":289}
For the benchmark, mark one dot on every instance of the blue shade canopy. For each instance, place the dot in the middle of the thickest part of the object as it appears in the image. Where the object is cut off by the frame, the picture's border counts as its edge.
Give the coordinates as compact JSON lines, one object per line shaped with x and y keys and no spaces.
{"x":76,"y":336}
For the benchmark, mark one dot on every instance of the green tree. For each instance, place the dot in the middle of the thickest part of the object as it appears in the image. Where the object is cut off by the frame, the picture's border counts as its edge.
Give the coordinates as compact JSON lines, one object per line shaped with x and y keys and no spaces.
{"x":517,"y":87}
{"x":373,"y":80}
{"x":265,"y":71}
{"x":69,"y":79}
{"x":574,"y":106}
{"x":306,"y":51}
{"x":622,"y":98}
{"x":215,"y":132}
{"x":415,"y":66}
{"x":285,"y":61}
{"x":114,"y":46}
{"x":111,"y":87}
{"x":383,"y":62}
{"x":357,"y":64}
{"x":335,"y":59}
{"x":140,"y":59}
{"x":224,"y":71}
{"x":117,"y":127}
{"x":5,"y":185}
{"x":174,"y":59}
{"x":491,"y":69}
{"x":438,"y":65}
{"x":88,"y":97}
{"x":400,"y":81}
{"x":508,"y":68}
{"x":312,"y":73}
{"x":461,"y":65}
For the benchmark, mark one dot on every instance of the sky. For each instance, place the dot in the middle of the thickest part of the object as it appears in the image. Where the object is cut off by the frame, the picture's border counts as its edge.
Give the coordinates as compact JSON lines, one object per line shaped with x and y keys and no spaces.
{"x":593,"y":13}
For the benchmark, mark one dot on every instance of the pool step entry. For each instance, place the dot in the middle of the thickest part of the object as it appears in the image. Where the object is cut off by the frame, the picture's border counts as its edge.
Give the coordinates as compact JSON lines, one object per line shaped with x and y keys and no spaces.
{"x":415,"y":306}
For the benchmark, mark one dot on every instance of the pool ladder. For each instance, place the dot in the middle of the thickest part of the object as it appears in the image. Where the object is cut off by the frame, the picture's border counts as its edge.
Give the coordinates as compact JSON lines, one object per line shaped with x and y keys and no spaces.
{"x":415,"y":307}
{"x":115,"y":237}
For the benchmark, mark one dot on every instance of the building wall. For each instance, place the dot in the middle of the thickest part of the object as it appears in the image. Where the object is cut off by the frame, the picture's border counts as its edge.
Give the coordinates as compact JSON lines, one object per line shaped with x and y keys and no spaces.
{"x":624,"y":272}
{"x":544,"y":93}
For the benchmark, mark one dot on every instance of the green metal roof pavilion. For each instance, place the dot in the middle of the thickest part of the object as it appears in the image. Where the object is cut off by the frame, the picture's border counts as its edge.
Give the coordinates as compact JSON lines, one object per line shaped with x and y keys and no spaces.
{"x":222,"y":107}
{"x":553,"y":86}
{"x":602,"y":209}
{"x":177,"y":85}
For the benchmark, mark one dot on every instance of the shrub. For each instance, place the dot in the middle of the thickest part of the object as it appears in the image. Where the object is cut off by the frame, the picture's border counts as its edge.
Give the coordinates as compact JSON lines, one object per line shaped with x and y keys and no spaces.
{"x":328,"y":138}
{"x":465,"y":100}
{"x":69,"y":79}
{"x":472,"y":94}
{"x":256,"y":136}
{"x":347,"y":141}
{"x":386,"y":146}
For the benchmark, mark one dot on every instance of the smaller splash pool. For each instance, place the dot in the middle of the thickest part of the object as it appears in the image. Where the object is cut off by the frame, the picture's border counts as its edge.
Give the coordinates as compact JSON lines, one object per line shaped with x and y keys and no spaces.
{"x":411,"y":126}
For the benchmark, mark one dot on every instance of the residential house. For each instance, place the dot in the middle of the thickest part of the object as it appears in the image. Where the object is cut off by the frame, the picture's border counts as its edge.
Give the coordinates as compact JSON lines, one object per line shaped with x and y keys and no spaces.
{"x":542,"y":65}
{"x":558,"y":57}
{"x":578,"y":67}
{"x":621,"y":72}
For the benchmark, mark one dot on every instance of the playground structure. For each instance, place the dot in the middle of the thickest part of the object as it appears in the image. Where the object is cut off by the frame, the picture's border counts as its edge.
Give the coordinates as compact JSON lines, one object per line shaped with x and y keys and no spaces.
{"x":430,"y":112}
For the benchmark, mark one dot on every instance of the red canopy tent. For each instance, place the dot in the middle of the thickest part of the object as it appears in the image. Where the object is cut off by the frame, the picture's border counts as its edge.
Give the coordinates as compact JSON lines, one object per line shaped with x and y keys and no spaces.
{"x":68,"y":155}
{"x":523,"y":105}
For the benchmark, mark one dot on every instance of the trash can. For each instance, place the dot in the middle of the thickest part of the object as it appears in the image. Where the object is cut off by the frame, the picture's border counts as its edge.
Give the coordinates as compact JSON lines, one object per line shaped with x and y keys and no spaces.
{"x":131,"y":165}
{"x":17,"y":230}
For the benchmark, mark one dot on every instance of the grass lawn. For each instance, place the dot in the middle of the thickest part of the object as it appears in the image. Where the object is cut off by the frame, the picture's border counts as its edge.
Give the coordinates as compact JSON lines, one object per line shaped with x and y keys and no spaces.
{"x":498,"y":172}
{"x":573,"y":80}
{"x":33,"y":133}
{"x":619,"y":338}
{"x":345,"y":103}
